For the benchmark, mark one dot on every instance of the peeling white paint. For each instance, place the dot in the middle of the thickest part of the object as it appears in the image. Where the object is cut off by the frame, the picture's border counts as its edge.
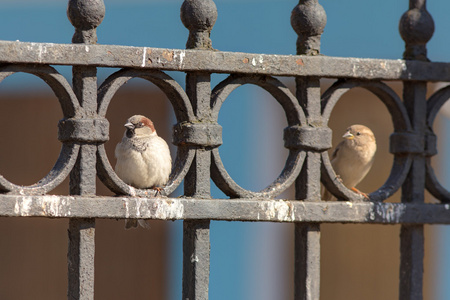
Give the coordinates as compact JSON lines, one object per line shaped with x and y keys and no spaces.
{"x":26,"y":205}
{"x":181,"y":54}
{"x":132,"y":191}
{"x":86,"y":48}
{"x":405,"y":70}
{"x":17,"y":208}
{"x":144,"y":56}
{"x":51,"y":205}
{"x":40,"y":53}
{"x":127,"y":210}
{"x":194,"y":258}
{"x":354,"y":69}
{"x":253,"y":61}
{"x":42,"y":50}
{"x":349,"y":204}
{"x":23,"y":206}
{"x":138,"y":207}
{"x":168,"y":209}
{"x":389,"y":213}
{"x":278,"y":209}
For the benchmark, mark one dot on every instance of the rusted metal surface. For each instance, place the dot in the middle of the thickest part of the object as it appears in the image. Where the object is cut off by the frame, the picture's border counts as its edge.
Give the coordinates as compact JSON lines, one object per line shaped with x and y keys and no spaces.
{"x":198,"y":137}
{"x":221,"y":62}
{"x":243,"y":209}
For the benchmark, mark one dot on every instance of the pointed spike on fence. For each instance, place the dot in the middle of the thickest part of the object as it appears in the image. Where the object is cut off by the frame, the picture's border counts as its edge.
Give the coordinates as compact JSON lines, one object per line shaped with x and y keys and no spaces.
{"x":416,"y":29}
{"x":308,"y":19}
{"x":85,"y":16}
{"x":199,"y":17}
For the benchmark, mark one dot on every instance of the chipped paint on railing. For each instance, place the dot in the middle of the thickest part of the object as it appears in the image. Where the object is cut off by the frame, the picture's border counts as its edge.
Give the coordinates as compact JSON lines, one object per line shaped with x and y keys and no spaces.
{"x":278,"y":210}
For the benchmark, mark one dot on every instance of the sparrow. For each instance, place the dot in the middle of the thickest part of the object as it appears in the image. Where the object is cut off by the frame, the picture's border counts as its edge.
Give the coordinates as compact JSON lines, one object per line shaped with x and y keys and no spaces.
{"x":143,"y":158}
{"x":353,"y":158}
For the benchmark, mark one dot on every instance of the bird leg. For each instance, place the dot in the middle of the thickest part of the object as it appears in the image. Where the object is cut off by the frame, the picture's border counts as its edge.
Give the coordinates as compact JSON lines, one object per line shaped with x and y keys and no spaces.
{"x":360,"y":193}
{"x":158,"y":190}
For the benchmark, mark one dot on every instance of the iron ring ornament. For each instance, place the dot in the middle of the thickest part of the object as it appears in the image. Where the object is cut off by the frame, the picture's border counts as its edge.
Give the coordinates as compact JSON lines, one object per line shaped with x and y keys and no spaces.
{"x":434,"y":104}
{"x":295,"y":117}
{"x":183,"y":112}
{"x":69,"y":150}
{"x":401,"y":140}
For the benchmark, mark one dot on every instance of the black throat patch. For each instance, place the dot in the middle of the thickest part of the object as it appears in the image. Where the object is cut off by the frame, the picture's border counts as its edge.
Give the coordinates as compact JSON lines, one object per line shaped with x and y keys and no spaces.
{"x":130,"y":133}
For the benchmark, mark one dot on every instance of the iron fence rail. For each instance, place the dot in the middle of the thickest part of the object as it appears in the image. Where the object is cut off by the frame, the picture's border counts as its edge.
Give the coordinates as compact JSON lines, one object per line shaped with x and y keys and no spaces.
{"x":197,"y":134}
{"x":252,"y":209}
{"x":186,"y":60}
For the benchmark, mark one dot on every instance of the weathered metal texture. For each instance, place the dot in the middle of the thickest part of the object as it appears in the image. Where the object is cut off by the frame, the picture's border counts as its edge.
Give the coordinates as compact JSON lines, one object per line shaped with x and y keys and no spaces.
{"x":242,"y":209}
{"x":85,"y":16}
{"x":198,"y":16}
{"x":197,"y":135}
{"x":416,"y":28}
{"x":221,"y":61}
{"x":295,"y":117}
{"x":308,"y":19}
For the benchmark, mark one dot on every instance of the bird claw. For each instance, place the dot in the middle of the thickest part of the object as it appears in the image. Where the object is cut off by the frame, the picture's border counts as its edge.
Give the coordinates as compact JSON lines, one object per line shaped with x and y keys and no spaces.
{"x":360,"y":193}
{"x":158,"y":191}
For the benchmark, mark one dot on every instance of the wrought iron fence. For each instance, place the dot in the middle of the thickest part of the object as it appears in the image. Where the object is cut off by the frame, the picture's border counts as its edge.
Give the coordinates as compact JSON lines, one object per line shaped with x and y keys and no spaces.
{"x":197,"y":135}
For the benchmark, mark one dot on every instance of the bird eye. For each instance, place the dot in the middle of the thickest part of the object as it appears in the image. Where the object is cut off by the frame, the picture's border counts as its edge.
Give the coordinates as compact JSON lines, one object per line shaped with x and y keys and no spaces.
{"x":358,"y":133}
{"x":140,"y":124}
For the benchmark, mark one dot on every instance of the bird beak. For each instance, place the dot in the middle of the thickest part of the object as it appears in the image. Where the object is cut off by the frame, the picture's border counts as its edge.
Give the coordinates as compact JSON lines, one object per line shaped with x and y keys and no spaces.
{"x":129,"y":125}
{"x":348,"y":135}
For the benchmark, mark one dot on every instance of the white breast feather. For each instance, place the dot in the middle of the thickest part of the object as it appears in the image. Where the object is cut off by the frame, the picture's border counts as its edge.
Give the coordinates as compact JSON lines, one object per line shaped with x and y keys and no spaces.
{"x":145,"y":169}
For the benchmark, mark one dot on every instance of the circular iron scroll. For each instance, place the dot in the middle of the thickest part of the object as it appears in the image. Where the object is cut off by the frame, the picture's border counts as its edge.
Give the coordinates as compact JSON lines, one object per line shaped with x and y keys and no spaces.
{"x":434,"y":104}
{"x":400,"y":119}
{"x":295,"y":116}
{"x":183,"y":112}
{"x":70,"y":108}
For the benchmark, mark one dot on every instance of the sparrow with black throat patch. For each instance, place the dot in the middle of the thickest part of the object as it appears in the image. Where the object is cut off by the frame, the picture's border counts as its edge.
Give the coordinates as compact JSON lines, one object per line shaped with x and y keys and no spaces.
{"x":143,"y":158}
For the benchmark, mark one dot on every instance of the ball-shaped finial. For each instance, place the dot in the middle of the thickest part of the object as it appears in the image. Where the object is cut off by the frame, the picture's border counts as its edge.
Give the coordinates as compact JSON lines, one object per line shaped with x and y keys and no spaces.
{"x":416,"y":29}
{"x":85,"y":16}
{"x":308,"y":19}
{"x":199,"y":17}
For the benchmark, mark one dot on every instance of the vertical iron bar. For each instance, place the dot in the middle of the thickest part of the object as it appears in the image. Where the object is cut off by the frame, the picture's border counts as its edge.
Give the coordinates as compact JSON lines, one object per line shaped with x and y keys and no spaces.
{"x":307,"y":261}
{"x":85,"y":16}
{"x":416,"y":28}
{"x":411,"y":262}
{"x":308,"y":20}
{"x":199,"y":17}
{"x":196,"y":241}
{"x":307,"y":188}
{"x":81,"y":258}
{"x":82,"y":182}
{"x":412,"y":236}
{"x":196,"y":246}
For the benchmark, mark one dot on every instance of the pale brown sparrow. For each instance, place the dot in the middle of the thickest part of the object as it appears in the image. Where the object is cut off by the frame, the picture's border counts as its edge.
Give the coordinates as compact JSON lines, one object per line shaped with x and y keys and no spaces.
{"x":353,"y":157}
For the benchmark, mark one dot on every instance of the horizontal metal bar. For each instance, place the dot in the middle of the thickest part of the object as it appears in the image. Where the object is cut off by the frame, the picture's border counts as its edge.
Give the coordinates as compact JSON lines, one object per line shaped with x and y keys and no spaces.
{"x":221,"y":62}
{"x":222,"y":209}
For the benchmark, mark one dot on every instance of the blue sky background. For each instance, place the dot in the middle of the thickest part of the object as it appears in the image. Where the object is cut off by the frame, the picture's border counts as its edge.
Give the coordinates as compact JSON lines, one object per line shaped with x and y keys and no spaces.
{"x":355,"y":28}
